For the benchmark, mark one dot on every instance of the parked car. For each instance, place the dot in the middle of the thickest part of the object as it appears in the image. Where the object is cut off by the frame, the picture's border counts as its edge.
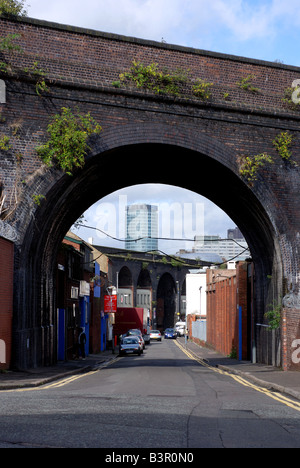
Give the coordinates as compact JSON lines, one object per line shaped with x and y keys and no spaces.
{"x":155,"y":335}
{"x":180,"y":328}
{"x":138,"y":333}
{"x":130,"y":344}
{"x":170,"y":333}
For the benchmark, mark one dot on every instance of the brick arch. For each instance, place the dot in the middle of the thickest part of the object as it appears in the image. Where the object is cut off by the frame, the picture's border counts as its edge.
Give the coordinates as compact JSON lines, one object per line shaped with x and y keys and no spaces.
{"x":144,"y":279}
{"x":127,"y":155}
{"x":166,"y":301}
{"x":185,"y":136}
{"x":125,"y":278}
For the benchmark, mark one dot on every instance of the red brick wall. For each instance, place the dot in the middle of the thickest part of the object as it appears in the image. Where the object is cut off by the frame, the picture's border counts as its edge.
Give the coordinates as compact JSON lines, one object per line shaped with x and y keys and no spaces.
{"x":223,"y":298}
{"x":6,"y":299}
{"x":291,"y":340}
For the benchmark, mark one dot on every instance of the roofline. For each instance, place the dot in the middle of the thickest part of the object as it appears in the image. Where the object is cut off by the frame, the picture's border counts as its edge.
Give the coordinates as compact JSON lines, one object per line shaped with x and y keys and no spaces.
{"x":150,"y":43}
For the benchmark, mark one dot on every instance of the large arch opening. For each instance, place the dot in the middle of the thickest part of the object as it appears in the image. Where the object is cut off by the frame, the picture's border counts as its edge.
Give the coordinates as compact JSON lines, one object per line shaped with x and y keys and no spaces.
{"x":110,"y":167}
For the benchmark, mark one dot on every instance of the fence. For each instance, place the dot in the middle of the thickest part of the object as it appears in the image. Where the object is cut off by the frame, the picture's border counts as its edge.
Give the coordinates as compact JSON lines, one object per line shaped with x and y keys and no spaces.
{"x":199,"y":330}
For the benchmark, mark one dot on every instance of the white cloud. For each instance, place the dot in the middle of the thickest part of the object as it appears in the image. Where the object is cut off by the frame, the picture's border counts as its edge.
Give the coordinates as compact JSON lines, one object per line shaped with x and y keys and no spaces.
{"x":241,"y":20}
{"x":140,"y":18}
{"x":195,"y":23}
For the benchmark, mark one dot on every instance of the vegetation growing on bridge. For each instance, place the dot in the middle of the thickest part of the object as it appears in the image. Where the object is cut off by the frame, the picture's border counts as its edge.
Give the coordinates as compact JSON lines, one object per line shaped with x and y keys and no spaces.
{"x":250,"y":165}
{"x":8,"y":44}
{"x":282,"y":143}
{"x":202,"y":89}
{"x":246,"y":84}
{"x":68,"y":142}
{"x":163,"y":81}
{"x":274,"y":315}
{"x":152,"y":78}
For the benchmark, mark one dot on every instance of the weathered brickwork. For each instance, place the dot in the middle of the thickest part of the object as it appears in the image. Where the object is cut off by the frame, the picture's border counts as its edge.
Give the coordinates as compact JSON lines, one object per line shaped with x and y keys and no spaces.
{"x":146,"y":138}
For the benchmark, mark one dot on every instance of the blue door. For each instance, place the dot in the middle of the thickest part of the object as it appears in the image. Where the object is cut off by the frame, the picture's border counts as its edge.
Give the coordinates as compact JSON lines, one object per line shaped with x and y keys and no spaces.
{"x":61,"y":335}
{"x":85,"y":308}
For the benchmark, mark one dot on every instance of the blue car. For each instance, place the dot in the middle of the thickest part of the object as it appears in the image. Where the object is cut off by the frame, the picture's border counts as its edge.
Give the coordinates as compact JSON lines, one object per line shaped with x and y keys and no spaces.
{"x":170,"y":333}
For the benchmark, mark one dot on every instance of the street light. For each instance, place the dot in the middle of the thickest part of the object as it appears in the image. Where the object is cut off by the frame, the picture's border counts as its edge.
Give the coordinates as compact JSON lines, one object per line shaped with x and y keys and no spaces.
{"x":200,"y":289}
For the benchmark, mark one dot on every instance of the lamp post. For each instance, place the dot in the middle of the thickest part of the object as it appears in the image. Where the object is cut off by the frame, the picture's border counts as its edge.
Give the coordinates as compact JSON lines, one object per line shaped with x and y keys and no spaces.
{"x":200,"y":289}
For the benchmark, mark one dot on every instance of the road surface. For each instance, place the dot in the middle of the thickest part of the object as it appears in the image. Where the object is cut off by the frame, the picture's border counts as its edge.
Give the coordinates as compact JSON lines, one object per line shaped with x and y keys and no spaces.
{"x":163,"y":399}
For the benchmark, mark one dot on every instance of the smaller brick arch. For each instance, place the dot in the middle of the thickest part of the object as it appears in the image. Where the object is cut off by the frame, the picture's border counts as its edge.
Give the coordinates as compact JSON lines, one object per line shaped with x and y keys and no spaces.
{"x":166,"y":301}
{"x":144,"y":279}
{"x":125,"y":278}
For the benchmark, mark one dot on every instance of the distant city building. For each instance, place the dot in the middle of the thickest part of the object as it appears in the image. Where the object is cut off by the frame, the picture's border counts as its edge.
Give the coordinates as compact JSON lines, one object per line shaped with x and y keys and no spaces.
{"x":142,"y":224}
{"x":234,"y":247}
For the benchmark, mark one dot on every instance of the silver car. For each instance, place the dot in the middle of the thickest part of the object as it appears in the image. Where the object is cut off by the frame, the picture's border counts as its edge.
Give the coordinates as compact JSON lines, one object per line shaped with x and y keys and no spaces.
{"x":155,"y":335}
{"x":136,"y":332}
{"x":130,"y":345}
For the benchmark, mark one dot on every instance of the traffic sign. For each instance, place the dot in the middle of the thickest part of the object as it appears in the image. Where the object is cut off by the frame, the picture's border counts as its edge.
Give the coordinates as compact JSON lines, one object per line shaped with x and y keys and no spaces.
{"x":110,"y":304}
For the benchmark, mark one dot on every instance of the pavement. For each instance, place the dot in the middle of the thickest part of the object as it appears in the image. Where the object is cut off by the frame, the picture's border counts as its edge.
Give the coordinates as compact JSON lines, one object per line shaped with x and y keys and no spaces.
{"x":264,"y":376}
{"x":10,"y":380}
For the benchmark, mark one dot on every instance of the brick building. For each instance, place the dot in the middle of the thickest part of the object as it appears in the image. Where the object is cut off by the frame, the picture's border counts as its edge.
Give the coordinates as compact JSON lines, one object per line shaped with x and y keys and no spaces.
{"x":229,"y":321}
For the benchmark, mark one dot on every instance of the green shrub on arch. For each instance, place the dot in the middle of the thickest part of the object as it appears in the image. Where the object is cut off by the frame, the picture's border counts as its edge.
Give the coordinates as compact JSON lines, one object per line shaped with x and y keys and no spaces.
{"x":68,"y":142}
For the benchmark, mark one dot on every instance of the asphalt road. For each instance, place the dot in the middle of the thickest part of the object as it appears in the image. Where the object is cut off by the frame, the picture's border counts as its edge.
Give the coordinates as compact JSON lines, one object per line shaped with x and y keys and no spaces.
{"x":159,"y":400}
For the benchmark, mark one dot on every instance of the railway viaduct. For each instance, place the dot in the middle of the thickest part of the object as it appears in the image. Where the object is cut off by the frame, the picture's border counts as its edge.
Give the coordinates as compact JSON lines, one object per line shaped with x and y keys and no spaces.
{"x":189,"y":138}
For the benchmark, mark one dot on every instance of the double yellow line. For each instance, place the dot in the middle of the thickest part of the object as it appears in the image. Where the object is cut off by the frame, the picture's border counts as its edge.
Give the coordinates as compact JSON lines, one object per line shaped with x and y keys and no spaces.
{"x":58,"y":383}
{"x":275,"y":396}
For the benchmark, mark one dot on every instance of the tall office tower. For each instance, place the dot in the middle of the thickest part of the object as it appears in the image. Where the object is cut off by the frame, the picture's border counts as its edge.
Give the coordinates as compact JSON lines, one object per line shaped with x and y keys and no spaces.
{"x":142,"y":224}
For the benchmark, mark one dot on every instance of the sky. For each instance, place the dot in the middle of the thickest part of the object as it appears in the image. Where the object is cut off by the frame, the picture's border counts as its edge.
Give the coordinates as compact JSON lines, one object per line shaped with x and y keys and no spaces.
{"x":261,"y":29}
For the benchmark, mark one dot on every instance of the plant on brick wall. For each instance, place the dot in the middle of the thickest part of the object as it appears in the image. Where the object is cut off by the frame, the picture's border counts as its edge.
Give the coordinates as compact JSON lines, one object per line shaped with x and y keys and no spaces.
{"x":246,"y":84}
{"x":8,"y":45}
{"x":273,"y":315}
{"x":163,"y":81}
{"x":13,"y":8}
{"x":202,"y":89}
{"x":250,"y":165}
{"x":5,"y":144}
{"x":37,"y":199}
{"x":68,"y":140}
{"x":282,"y":143}
{"x":40,"y":75}
{"x":151,"y":77}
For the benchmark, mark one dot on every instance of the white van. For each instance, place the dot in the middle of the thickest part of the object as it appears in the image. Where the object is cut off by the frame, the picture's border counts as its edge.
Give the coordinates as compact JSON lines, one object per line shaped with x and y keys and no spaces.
{"x":180,"y":328}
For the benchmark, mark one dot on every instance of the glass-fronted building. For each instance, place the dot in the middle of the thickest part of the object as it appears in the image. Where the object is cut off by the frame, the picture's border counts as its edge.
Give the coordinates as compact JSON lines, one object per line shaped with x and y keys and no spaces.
{"x":142,"y":228}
